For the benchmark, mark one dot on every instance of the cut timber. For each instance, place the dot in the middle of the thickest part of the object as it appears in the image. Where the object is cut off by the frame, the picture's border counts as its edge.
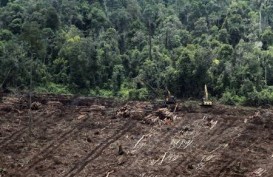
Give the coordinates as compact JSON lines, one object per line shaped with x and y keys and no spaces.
{"x":164,"y":113}
{"x":110,"y":172}
{"x":137,"y":114}
{"x":93,"y":108}
{"x":54,"y":104}
{"x":6,"y":108}
{"x":35,"y":106}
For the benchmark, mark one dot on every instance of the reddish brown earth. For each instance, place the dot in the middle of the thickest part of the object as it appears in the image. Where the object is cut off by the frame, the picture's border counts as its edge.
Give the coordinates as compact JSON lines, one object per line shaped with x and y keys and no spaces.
{"x":103,"y":138}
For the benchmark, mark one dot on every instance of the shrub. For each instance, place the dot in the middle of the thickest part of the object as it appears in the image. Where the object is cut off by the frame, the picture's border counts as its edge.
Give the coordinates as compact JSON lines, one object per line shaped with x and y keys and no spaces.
{"x":53,"y":88}
{"x":230,"y":98}
{"x":105,"y":93}
{"x":264,"y":97}
{"x":101,"y":92}
{"x":138,"y":94}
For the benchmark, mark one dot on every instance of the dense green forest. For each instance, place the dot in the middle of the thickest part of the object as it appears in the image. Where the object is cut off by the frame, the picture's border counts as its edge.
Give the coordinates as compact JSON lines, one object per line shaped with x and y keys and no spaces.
{"x":130,"y":48}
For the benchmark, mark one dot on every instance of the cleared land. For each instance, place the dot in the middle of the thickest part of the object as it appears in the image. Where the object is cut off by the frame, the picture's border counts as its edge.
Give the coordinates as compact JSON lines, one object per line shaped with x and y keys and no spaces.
{"x":78,"y":136}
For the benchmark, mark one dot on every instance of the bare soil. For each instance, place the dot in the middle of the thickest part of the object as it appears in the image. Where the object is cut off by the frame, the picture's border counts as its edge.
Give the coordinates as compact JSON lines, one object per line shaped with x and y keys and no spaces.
{"x":95,"y":137}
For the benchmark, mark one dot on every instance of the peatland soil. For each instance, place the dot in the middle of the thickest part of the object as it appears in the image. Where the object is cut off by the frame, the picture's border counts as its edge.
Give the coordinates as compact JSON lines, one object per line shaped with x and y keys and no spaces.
{"x":67,"y":136}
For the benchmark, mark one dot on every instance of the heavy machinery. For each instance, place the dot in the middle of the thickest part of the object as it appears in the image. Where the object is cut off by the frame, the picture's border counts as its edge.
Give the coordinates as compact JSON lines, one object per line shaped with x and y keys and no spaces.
{"x":169,"y":99}
{"x":205,"y":99}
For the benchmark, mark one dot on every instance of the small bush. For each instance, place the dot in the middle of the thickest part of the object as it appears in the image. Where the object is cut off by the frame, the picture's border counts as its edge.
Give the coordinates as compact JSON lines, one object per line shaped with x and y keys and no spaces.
{"x":138,"y":94}
{"x":106,"y":93}
{"x":253,"y":98}
{"x":230,"y":98}
{"x":101,"y":92}
{"x":53,"y":88}
{"x":264,"y":97}
{"x":124,"y":93}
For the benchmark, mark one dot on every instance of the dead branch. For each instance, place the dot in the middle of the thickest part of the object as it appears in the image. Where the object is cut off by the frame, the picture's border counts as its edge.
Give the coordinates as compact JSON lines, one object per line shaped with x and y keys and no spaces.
{"x":110,"y":172}
{"x":139,"y":141}
{"x":175,"y":107}
{"x":163,"y":158}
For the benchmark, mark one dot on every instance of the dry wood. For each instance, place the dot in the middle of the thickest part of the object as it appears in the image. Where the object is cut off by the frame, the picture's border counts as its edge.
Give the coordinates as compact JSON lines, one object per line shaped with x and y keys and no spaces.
{"x":175,"y":107}
{"x":163,"y":157}
{"x":139,"y":141}
{"x":110,"y":172}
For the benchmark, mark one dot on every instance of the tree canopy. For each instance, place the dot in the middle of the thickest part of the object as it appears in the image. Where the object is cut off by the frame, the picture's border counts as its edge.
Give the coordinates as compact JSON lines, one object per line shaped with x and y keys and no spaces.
{"x":134,"y":47}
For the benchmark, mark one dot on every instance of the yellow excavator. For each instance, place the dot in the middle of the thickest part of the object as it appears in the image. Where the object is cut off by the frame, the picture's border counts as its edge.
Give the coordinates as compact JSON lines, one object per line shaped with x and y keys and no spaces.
{"x":205,"y":100}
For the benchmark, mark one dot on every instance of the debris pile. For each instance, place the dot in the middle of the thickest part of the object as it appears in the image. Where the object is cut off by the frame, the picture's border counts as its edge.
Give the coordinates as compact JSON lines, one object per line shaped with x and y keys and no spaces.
{"x":262,"y":117}
{"x":164,"y":113}
{"x":97,"y":108}
{"x":8,"y":104}
{"x":6,"y":108}
{"x":36,"y":105}
{"x":145,"y":113}
{"x":132,"y":139}
{"x":123,"y":112}
{"x":54,"y":104}
{"x":93,"y":108}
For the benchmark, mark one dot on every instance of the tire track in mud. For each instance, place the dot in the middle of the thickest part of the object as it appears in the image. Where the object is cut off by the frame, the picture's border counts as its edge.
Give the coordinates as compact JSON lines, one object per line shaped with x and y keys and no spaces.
{"x":234,"y":161}
{"x":203,"y":146}
{"x":98,"y":150}
{"x":270,"y":171}
{"x":20,"y":133}
{"x":73,"y":148}
{"x":170,"y":133}
{"x":188,"y":121}
{"x":224,"y":166}
{"x":162,"y":138}
{"x":56,"y":143}
{"x":16,"y":135}
{"x":158,"y":129}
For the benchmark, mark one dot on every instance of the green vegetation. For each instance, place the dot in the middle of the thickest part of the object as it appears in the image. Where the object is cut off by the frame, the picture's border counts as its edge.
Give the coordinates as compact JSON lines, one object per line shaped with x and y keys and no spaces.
{"x":124,"y":48}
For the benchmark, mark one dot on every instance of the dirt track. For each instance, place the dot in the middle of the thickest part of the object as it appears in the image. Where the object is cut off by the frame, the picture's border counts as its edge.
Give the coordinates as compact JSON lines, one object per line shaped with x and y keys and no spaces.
{"x":102,"y":138}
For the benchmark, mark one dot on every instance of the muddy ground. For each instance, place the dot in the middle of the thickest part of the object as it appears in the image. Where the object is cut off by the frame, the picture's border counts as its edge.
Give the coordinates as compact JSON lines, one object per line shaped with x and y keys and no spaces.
{"x":95,"y":137}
